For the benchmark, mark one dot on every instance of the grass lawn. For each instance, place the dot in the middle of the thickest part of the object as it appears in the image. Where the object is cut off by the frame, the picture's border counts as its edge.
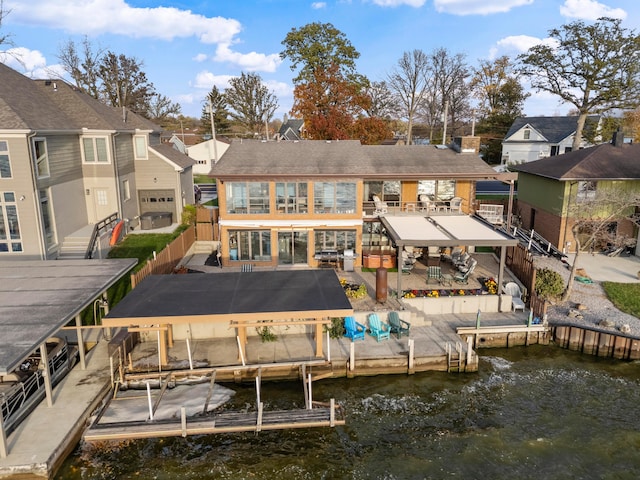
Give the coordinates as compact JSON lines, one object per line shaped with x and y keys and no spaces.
{"x":625,"y":296}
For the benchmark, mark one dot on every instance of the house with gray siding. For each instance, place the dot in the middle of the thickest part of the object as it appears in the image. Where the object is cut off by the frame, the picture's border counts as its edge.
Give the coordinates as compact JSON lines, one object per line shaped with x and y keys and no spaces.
{"x":67,"y":161}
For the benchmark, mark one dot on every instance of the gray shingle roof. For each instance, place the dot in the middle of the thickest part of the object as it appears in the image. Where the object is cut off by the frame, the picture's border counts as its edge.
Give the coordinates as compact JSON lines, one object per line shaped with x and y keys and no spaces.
{"x":602,"y":162}
{"x":179,"y":158}
{"x":345,"y":158}
{"x":56,"y":105}
{"x":554,"y":129}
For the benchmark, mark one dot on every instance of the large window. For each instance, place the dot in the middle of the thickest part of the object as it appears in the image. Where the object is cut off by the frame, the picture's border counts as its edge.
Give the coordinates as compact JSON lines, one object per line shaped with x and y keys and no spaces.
{"x":140,"y":147}
{"x":250,"y":245}
{"x":95,"y":150}
{"x":47,"y":218}
{"x":10,"y":240}
{"x":247,"y":197}
{"x":5,"y":164}
{"x":339,"y":240}
{"x":586,"y":191}
{"x":388,"y":191}
{"x":292,"y":197}
{"x":437,"y":190}
{"x":334,"y":197}
{"x":40,"y":157}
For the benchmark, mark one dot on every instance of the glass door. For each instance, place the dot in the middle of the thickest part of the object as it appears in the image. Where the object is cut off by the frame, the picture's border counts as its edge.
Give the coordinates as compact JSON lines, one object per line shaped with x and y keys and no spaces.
{"x":292,"y":248}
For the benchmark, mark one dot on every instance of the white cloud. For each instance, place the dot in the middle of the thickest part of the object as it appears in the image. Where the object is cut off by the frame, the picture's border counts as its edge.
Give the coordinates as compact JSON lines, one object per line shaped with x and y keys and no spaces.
{"x":280,"y":89}
{"x":398,"y":3}
{"x":23,"y":60}
{"x":207,"y":80}
{"x":516,"y":44}
{"x":248,"y":61}
{"x":318,"y":5}
{"x":117,"y":17}
{"x":201,"y":57}
{"x":477,"y":7}
{"x":590,"y":10}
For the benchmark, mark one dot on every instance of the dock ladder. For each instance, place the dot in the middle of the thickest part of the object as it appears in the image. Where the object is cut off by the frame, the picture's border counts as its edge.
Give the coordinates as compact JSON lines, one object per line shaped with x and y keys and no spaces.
{"x":455,"y":354}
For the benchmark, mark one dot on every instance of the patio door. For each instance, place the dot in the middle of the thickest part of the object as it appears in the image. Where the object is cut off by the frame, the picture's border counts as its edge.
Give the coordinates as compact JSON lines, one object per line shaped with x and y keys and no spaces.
{"x":292,"y":248}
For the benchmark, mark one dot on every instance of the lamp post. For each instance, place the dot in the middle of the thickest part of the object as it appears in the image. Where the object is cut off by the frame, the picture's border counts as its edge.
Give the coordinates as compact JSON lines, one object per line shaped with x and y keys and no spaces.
{"x":213,"y":133}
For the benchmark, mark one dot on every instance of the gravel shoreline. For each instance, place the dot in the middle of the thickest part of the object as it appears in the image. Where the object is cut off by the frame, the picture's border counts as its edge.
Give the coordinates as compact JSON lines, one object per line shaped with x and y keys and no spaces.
{"x":595,"y":306}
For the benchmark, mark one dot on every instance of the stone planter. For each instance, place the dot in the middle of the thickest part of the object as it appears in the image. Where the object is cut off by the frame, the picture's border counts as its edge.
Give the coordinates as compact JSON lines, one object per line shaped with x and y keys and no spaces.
{"x":457,"y":304}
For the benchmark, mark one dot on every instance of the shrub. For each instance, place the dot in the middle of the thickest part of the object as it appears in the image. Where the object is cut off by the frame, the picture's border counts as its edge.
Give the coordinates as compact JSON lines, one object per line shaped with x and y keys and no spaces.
{"x":189,"y":215}
{"x":336,"y":329}
{"x":549,"y":283}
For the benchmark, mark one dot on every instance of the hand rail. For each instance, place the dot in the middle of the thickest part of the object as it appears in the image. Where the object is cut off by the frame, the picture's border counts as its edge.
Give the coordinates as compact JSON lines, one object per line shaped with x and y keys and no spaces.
{"x":97,"y":228}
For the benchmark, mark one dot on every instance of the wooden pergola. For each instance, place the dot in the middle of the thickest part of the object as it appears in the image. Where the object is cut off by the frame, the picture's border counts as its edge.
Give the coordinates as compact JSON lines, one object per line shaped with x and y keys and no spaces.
{"x":239,"y":299}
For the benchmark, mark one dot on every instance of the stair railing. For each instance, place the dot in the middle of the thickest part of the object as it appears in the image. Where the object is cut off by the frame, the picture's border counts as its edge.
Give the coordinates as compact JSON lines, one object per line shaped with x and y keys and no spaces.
{"x":103,"y":224}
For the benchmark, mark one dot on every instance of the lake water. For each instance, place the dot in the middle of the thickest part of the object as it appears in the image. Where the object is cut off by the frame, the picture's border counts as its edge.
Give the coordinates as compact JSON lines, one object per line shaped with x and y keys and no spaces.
{"x":529,"y":413}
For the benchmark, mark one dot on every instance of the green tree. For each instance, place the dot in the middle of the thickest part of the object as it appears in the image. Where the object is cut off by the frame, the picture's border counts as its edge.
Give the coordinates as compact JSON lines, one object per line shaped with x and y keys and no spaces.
{"x":496,"y":86}
{"x":251,"y":103}
{"x":218,"y":102}
{"x":594,"y":67}
{"x":317,"y":47}
{"x":124,"y":84}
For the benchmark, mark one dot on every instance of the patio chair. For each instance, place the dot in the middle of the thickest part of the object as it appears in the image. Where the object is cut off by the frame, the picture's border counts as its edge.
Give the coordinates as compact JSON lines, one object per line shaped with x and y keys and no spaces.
{"x":472,"y":262}
{"x":353,"y":330}
{"x":408,"y":261}
{"x":461,"y":260}
{"x":397,"y":325}
{"x":381,"y":207}
{"x":425,"y":204}
{"x":513,"y":289}
{"x":455,"y":206}
{"x":463,"y":277}
{"x":434,"y":272}
{"x":377,"y":328}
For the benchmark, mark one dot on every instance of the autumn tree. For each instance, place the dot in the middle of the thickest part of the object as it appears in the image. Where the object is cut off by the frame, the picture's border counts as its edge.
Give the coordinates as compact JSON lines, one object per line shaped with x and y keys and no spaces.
{"x":251,"y":103}
{"x":370,"y":130}
{"x":328,"y":92}
{"x":409,"y":81}
{"x":218,"y":103}
{"x":593,"y":209}
{"x":594,"y":67}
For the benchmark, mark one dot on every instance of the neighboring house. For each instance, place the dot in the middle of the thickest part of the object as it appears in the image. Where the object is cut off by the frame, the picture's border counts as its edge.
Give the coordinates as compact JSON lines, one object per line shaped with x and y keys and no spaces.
{"x":533,"y":138}
{"x":206,"y":154}
{"x":291,"y":130}
{"x":67,"y":161}
{"x":285,"y":203}
{"x":548,"y":188}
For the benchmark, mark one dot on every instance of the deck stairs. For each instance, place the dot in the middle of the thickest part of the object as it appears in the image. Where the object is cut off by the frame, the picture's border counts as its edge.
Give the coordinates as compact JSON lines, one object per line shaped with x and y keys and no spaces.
{"x":74,"y":246}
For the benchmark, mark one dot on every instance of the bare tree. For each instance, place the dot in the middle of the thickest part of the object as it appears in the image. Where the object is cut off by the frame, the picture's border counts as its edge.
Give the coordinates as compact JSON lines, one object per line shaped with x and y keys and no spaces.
{"x":124,"y":84}
{"x":593,"y":210}
{"x":162,"y":107}
{"x":251,"y":102}
{"x":383,"y":103}
{"x":5,"y":38}
{"x":82,"y":62}
{"x":409,"y":82}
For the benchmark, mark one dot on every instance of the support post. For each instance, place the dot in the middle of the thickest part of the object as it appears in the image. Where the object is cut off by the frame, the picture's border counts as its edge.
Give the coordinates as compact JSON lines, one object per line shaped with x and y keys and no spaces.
{"x":310,"y":403}
{"x":328,"y":347}
{"x":189,"y":354}
{"x":352,"y":356}
{"x":150,"y":402}
{"x":81,"y":353}
{"x":469,"y":350}
{"x":319,"y":353}
{"x":240,"y":351}
{"x":411,"y":354}
{"x":183,"y":418}
{"x":4,"y":450}
{"x":46,"y":375}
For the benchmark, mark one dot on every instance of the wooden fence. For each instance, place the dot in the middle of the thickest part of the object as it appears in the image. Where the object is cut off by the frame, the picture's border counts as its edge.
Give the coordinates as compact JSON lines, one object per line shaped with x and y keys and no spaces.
{"x":207,"y":224}
{"x":166,"y":260}
{"x":520,"y":261}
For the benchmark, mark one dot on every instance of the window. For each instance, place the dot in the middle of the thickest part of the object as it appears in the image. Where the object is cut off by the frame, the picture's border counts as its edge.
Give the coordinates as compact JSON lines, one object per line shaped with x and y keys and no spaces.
{"x":250,"y":245}
{"x":5,"y":165}
{"x":526,"y":134}
{"x":10,"y":240}
{"x":247,"y":197}
{"x":335,"y":240}
{"x":437,"y":190}
{"x":47,"y":217}
{"x":334,"y":197}
{"x":388,"y":191}
{"x":140,"y":147}
{"x":126,"y":190}
{"x":586,"y":191}
{"x":40,"y":157}
{"x":95,"y":150}
{"x":291,"y":197}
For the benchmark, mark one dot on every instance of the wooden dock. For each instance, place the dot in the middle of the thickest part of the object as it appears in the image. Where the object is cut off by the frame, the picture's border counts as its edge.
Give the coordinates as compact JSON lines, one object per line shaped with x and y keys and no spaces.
{"x":227,"y":422}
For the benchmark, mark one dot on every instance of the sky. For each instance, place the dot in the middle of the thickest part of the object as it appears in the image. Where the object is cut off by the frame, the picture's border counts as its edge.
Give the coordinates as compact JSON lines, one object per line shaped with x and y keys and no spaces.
{"x":188,"y":46}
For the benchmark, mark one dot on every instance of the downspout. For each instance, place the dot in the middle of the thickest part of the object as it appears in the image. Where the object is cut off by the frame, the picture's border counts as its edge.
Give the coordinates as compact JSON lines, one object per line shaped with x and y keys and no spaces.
{"x":116,"y":173}
{"x":36,"y":201}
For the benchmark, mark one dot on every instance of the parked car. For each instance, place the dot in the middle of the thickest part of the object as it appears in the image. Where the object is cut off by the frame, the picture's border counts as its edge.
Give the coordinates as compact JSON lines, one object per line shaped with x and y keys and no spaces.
{"x":197,"y":193}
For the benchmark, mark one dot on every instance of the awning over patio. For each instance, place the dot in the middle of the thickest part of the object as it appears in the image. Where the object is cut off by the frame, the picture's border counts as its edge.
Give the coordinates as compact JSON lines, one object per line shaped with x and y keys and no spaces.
{"x":446,"y":231}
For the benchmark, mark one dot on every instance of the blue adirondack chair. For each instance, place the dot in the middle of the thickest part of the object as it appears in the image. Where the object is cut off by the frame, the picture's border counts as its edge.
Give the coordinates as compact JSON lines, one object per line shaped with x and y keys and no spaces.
{"x":397,"y":325}
{"x":377,"y":328}
{"x":353,"y":329}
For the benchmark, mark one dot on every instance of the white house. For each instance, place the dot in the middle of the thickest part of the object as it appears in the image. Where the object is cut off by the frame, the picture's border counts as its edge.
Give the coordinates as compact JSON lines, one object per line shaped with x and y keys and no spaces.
{"x":533,"y":138}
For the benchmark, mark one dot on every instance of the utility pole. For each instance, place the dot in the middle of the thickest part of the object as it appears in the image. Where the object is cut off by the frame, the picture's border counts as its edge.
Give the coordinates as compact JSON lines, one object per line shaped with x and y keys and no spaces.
{"x":444,"y":119}
{"x":213,"y":133}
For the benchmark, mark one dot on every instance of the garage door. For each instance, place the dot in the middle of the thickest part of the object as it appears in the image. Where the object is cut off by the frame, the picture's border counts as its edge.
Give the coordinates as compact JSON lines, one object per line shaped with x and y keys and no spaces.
{"x":157,"y":201}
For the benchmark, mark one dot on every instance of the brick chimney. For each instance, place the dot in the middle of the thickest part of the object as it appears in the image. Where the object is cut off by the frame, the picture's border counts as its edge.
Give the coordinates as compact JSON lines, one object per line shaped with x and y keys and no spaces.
{"x":467,"y":144}
{"x":618,"y":138}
